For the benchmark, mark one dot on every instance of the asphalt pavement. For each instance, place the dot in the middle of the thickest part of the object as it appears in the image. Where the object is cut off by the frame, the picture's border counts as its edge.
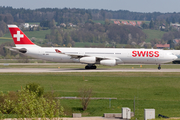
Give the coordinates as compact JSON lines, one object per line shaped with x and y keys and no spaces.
{"x":50,"y":70}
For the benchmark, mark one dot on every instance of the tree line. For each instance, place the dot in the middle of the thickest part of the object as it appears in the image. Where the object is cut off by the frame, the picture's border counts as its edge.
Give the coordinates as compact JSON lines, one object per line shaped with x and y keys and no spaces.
{"x":97,"y":33}
{"x":76,"y":15}
{"x":9,"y":15}
{"x":87,"y":30}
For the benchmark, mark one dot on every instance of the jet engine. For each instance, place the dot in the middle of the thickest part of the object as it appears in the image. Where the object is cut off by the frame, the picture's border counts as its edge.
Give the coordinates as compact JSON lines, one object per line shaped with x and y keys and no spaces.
{"x":108,"y":62}
{"x":23,"y":50}
{"x":88,"y":60}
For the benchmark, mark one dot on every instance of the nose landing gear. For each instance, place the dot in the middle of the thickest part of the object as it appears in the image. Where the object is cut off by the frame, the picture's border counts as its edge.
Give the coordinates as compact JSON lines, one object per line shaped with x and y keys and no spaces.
{"x":159,"y":67}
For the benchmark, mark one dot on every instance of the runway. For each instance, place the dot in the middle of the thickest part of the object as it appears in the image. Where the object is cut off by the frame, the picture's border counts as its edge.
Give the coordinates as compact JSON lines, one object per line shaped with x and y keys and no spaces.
{"x":51,"y":70}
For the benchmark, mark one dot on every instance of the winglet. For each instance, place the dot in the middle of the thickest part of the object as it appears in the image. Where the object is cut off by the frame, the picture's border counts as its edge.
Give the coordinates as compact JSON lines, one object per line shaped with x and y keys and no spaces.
{"x":58,"y":51}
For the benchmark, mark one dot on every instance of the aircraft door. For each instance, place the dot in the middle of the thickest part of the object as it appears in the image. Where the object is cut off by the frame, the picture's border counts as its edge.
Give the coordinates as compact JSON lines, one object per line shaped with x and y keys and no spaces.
{"x":44,"y":55}
{"x":81,"y":52}
{"x":161,"y":54}
{"x":41,"y":52}
{"x":129,"y":54}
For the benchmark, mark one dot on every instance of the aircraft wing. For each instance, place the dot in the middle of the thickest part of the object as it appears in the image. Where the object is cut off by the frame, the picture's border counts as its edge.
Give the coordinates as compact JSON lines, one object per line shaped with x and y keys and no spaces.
{"x":80,"y":56}
{"x":69,"y":54}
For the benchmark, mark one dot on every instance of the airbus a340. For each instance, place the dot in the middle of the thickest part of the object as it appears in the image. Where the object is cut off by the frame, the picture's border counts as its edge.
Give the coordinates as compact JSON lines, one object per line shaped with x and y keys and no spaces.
{"x":89,"y":56}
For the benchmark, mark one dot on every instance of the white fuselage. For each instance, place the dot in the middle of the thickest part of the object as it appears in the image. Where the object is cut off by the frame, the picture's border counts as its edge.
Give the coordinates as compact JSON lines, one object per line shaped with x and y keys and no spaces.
{"x":125,"y":56}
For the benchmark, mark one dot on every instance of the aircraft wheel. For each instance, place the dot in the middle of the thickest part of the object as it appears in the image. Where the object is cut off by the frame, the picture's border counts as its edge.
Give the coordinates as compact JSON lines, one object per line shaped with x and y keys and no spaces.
{"x":90,"y":67}
{"x":159,"y":67}
{"x":87,"y":67}
{"x":93,"y":67}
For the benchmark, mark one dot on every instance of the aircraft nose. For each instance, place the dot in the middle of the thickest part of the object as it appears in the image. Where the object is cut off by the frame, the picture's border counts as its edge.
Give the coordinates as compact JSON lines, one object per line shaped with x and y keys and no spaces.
{"x":174,"y":57}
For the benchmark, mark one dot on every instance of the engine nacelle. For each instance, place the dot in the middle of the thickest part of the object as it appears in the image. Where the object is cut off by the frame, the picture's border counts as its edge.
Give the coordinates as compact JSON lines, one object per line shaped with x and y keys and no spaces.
{"x":108,"y":62}
{"x":88,"y":60}
{"x":23,"y":50}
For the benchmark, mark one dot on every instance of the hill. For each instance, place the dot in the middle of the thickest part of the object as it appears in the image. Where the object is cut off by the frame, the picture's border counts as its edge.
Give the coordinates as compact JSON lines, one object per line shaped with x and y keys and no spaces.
{"x":152,"y":34}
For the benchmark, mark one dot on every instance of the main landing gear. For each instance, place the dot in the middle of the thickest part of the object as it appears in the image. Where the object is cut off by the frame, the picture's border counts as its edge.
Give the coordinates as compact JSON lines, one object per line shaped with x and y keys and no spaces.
{"x":90,"y":66}
{"x":159,"y":67}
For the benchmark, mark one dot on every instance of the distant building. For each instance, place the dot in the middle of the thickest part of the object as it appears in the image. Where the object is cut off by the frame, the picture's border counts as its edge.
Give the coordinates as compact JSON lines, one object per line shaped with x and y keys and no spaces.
{"x":33,"y":25}
{"x":125,"y":22}
{"x":176,"y":41}
{"x":117,"y":22}
{"x":26,"y":25}
{"x":63,"y":25}
{"x":162,"y":26}
{"x":139,"y":23}
{"x":70,"y":24}
{"x":161,"y":46}
{"x":133,"y":23}
{"x":175,"y":25}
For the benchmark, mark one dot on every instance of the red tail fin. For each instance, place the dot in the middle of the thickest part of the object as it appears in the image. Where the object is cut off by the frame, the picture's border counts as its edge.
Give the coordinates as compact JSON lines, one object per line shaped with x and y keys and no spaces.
{"x":20,"y":39}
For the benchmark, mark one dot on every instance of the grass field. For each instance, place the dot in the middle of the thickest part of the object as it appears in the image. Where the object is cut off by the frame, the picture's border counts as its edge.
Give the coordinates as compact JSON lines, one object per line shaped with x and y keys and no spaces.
{"x":5,"y":39}
{"x":152,"y":34}
{"x":160,"y":91}
{"x":34,"y":64}
{"x":37,"y":34}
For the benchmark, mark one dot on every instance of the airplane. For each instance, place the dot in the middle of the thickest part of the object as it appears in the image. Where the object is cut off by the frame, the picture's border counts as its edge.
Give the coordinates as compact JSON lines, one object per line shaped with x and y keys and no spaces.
{"x":89,"y":56}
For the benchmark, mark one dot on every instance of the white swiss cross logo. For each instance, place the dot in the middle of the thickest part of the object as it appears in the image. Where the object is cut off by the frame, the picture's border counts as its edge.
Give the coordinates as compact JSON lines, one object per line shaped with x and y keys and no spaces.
{"x":18,"y":36}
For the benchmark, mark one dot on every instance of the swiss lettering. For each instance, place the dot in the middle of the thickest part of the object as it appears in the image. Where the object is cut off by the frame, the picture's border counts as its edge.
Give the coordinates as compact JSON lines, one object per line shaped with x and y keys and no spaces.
{"x":145,"y":53}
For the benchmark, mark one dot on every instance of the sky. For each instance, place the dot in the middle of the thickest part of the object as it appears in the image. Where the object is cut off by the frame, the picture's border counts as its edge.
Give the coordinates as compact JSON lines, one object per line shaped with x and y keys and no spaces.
{"x":144,"y":6}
